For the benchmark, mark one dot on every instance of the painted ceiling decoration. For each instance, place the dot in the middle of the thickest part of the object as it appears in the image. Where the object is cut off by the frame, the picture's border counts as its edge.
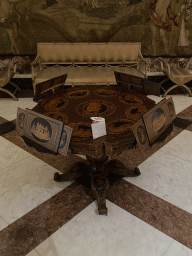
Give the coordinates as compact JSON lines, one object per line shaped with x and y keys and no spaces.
{"x":163,"y":27}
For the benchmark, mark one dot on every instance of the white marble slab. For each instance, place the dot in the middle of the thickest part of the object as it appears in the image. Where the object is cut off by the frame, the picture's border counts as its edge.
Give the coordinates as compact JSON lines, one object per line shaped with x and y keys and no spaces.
{"x":3,"y":224}
{"x":33,"y":253}
{"x":120,"y":233}
{"x":155,"y":98}
{"x":167,"y":177}
{"x":25,"y":185}
{"x":82,"y":156}
{"x":177,"y":249}
{"x":181,"y":102}
{"x":10,"y":154}
{"x":8,"y":107}
{"x":180,"y":146}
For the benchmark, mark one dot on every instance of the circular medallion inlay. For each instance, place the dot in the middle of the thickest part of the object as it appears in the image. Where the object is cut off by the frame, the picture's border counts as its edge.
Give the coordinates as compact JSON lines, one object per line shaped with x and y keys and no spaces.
{"x":130,"y":99}
{"x":135,"y":112}
{"x":63,"y":140}
{"x":41,"y":130}
{"x":106,"y":92}
{"x":58,"y":115}
{"x":158,"y":120}
{"x":81,"y":129}
{"x":21,"y":121}
{"x":98,"y":108}
{"x":119,"y":126}
{"x":142,"y":135}
{"x":77,"y":93}
{"x":171,"y":109}
{"x":54,"y":104}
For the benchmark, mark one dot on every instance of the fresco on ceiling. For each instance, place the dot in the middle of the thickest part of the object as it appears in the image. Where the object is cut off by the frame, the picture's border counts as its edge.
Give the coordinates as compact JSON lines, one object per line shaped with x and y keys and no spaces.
{"x":163,"y":27}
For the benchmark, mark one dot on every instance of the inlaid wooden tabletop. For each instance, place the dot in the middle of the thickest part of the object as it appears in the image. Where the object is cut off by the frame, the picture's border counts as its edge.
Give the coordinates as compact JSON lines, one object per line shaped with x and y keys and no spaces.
{"x":120,"y":107}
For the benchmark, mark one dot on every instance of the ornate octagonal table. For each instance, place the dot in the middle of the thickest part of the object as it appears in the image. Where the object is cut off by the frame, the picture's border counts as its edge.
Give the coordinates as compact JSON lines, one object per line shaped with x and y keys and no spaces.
{"x":120,"y":107}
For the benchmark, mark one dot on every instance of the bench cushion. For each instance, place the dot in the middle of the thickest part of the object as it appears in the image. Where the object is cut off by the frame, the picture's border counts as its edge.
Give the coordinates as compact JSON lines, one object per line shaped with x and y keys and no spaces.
{"x":86,"y":75}
{"x":88,"y":52}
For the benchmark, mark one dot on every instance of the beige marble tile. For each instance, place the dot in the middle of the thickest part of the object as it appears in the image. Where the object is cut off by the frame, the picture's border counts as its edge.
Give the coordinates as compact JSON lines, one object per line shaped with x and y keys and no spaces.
{"x":181,"y":102}
{"x":177,"y":249}
{"x":10,"y":154}
{"x":33,"y":253}
{"x":25,"y":185}
{"x":3,"y":224}
{"x":120,"y":233}
{"x":155,"y":98}
{"x":82,"y":156}
{"x":167,"y":177}
{"x":8,"y":107}
{"x":180,"y":146}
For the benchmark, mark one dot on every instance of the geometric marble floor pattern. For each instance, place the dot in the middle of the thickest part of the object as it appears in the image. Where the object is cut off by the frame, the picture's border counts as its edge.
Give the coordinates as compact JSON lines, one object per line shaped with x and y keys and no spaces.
{"x":20,"y":192}
{"x":162,"y":196}
{"x":168,"y":172}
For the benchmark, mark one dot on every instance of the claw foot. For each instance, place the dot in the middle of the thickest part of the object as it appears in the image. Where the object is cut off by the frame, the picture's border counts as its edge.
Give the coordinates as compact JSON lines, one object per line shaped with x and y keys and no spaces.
{"x":56,"y":176}
{"x":103,"y":211}
{"x":137,"y":171}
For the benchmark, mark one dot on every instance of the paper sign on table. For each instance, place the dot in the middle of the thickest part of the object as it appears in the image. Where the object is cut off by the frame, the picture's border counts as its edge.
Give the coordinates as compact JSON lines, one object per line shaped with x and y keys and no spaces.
{"x":98,"y":127}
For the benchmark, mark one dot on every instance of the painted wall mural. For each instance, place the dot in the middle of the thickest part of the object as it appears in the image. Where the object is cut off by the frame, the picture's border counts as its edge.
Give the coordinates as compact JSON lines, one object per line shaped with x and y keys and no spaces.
{"x":163,"y":26}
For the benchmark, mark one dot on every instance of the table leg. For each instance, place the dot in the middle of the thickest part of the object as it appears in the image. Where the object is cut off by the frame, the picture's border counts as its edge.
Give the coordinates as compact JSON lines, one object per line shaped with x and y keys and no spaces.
{"x":100,"y":186}
{"x":117,"y":167}
{"x":98,"y":170}
{"x":77,"y":171}
{"x":99,"y":181}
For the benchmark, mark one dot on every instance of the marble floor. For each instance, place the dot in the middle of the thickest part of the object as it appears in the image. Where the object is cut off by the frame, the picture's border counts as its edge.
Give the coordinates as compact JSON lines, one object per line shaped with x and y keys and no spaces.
{"x":147,"y":215}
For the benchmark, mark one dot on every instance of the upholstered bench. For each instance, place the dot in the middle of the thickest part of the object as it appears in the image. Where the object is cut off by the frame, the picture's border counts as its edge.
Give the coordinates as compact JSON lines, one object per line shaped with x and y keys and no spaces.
{"x":86,"y":63}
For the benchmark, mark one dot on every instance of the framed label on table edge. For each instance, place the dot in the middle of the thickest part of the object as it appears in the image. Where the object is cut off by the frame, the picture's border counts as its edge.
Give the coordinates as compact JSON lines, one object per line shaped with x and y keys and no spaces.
{"x":20,"y":121}
{"x":43,"y":130}
{"x":140,"y":133}
{"x":159,"y":118}
{"x":49,"y":86}
{"x":65,"y":140}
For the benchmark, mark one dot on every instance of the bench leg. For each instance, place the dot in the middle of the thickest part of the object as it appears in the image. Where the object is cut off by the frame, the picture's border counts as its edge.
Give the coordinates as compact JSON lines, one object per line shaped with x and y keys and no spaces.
{"x":187,"y":88}
{"x":175,"y":86}
{"x":100,"y":186}
{"x":16,"y":86}
{"x":12,"y":95}
{"x":34,"y":88}
{"x":164,"y":80}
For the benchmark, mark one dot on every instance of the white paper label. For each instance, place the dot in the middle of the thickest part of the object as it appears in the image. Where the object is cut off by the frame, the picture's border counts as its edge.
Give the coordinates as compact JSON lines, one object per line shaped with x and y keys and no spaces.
{"x":98,"y":127}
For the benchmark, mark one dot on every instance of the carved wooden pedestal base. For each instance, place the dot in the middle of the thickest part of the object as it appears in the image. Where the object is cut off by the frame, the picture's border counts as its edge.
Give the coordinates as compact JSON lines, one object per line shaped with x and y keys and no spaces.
{"x":98,"y":169}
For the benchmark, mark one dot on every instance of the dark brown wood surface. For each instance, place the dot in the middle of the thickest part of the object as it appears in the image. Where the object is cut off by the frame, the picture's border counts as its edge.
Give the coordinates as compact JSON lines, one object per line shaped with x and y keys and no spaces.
{"x":49,"y":87}
{"x":120,"y":107}
{"x":138,"y":84}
